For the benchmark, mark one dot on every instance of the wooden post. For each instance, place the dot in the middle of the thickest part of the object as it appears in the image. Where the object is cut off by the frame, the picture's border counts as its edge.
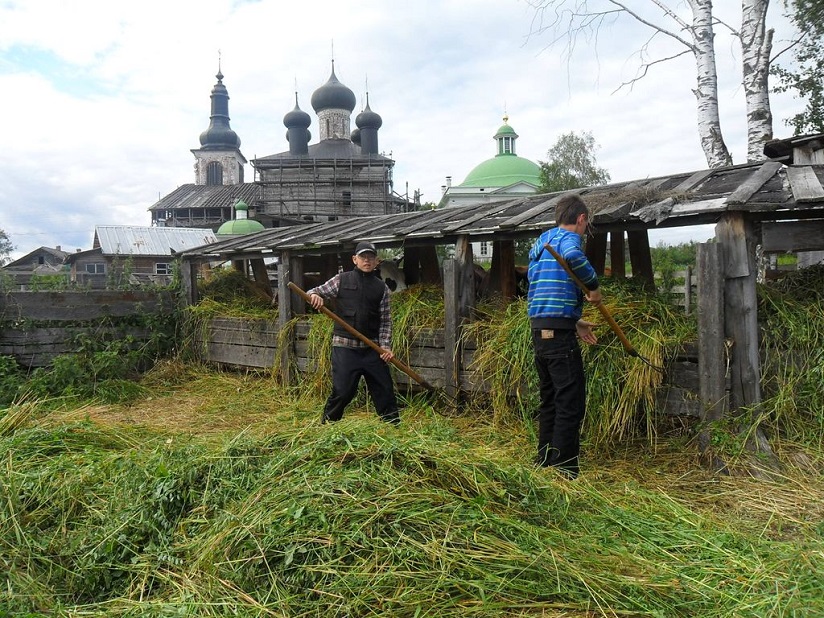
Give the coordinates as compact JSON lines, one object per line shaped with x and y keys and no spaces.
{"x":188,"y":277}
{"x":688,"y":291}
{"x":284,"y":316}
{"x":465,"y":267}
{"x":430,"y":269}
{"x":296,"y":270}
{"x":712,"y":366}
{"x":596,"y":252}
{"x":640,"y":258}
{"x":502,"y":269}
{"x":261,"y":275}
{"x":452,"y":353}
{"x":737,"y":238}
{"x":617,"y":256}
{"x":411,"y":265}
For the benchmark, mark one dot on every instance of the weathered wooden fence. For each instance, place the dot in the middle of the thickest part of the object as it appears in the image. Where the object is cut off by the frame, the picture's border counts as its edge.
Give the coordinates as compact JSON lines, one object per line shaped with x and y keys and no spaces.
{"x":37,"y":326}
{"x":253,"y":343}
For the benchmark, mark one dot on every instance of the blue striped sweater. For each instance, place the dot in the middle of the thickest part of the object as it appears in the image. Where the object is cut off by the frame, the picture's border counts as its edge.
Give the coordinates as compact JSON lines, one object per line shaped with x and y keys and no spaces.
{"x":552,"y":293}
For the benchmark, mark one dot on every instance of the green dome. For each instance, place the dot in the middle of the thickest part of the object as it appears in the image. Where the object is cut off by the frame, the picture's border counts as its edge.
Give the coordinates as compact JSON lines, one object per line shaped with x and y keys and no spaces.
{"x":239,"y":226}
{"x":505,"y":130}
{"x":502,"y":171}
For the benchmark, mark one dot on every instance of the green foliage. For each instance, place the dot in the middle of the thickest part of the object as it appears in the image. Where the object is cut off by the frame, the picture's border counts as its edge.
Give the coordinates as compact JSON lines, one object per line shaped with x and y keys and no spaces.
{"x":6,"y":247}
{"x":807,"y":78}
{"x":99,"y":369}
{"x":572,"y":164}
{"x":55,"y":282}
{"x":667,"y":260}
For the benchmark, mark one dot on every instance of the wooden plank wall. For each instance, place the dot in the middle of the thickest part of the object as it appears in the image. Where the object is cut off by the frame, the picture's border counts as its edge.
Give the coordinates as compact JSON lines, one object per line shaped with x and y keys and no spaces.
{"x":245,"y":343}
{"x":37,"y":326}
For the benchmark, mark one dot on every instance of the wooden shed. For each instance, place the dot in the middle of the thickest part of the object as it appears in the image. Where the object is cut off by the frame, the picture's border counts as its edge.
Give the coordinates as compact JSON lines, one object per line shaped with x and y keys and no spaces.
{"x":771,"y":206}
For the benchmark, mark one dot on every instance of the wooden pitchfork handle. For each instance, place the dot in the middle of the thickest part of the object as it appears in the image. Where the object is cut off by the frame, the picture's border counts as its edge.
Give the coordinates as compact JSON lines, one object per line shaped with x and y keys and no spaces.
{"x":601,"y":307}
{"x":356,"y":333}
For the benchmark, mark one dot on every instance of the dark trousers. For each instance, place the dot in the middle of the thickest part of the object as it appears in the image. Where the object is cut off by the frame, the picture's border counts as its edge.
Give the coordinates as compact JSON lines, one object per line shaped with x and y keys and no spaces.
{"x":348,"y":365}
{"x":563,"y":398}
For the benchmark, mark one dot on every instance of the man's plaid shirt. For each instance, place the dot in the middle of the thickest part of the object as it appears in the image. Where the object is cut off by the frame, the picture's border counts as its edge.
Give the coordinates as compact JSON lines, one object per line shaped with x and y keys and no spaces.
{"x":330,"y":290}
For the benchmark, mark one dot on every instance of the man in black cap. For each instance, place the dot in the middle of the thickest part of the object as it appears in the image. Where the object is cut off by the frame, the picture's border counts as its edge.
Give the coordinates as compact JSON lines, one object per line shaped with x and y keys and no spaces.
{"x":362,"y":302}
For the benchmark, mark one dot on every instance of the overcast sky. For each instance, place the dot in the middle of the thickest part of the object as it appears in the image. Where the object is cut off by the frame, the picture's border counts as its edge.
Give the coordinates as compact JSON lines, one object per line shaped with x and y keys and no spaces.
{"x":102,"y":101}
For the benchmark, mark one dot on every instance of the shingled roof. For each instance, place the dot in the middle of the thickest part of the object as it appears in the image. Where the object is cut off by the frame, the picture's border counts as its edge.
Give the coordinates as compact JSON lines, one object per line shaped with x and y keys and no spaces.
{"x":766,"y":191}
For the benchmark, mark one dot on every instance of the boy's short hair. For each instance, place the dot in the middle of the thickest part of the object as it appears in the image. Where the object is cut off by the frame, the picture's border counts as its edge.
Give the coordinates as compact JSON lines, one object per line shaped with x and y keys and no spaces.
{"x":569,"y":208}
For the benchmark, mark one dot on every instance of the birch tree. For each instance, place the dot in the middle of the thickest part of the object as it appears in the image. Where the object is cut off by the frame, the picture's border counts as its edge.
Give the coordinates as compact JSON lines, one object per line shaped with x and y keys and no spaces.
{"x":693,"y":33}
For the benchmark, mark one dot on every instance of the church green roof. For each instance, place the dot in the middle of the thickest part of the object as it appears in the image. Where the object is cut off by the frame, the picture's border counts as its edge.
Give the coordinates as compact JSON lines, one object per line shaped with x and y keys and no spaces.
{"x":502,"y":171}
{"x":239,"y":226}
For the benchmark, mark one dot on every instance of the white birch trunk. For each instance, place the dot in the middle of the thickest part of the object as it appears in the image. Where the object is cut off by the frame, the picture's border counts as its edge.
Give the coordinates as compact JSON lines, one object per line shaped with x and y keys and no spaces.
{"x":756,"y":46}
{"x":706,"y":91}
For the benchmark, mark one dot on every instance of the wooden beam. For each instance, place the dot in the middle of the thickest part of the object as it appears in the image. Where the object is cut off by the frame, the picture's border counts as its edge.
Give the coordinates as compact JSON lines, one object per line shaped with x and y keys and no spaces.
{"x":792,"y":236}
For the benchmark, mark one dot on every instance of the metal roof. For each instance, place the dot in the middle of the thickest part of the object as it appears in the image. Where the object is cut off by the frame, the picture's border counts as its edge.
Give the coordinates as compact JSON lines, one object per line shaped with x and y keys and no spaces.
{"x":208,"y":196}
{"x":145,"y":241}
{"x":766,"y":191}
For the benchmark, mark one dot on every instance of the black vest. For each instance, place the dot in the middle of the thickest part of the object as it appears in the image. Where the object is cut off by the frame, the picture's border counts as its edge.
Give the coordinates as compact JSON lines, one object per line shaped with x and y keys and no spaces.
{"x":359,"y":301}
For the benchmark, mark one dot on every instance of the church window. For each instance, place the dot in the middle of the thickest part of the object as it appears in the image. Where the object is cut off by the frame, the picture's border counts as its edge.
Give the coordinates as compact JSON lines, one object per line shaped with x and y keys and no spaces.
{"x":347,"y":198}
{"x":240,"y":172}
{"x":214,"y":174}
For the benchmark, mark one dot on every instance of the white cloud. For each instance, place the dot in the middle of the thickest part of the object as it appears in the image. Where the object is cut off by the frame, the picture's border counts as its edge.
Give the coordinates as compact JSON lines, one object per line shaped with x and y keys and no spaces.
{"x":103,"y":100}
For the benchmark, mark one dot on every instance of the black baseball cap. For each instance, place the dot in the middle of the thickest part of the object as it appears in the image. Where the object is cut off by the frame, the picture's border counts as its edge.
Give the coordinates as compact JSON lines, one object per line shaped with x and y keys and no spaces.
{"x":365,"y":247}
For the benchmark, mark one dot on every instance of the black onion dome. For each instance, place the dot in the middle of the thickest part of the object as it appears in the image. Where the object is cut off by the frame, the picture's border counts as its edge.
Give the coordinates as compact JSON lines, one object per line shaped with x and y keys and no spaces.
{"x":333,"y":95}
{"x":219,"y":134}
{"x":368,"y":119}
{"x":297,"y":118}
{"x":355,"y":136}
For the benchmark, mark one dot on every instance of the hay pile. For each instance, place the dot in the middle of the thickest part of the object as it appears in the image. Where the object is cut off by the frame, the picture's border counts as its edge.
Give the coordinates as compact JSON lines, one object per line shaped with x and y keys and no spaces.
{"x":363,"y":519}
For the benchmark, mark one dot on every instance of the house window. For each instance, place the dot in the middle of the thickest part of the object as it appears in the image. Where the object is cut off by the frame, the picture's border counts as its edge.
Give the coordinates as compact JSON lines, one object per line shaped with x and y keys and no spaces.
{"x":98,"y":268}
{"x":163,"y":269}
{"x":484,"y":249}
{"x":41,"y":260}
{"x":214,"y":174}
{"x":347,"y":198}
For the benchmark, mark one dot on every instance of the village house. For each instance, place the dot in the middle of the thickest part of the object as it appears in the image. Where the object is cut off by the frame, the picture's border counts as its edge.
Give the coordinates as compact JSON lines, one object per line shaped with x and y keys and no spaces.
{"x":123,"y":254}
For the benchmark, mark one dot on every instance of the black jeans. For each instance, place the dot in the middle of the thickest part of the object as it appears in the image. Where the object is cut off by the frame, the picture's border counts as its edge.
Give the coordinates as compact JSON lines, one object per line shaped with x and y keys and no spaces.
{"x":348,"y":365}
{"x":563,"y":398}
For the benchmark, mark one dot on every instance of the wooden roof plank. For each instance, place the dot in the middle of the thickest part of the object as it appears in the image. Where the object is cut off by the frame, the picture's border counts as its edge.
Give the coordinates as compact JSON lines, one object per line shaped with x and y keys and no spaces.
{"x":492,"y":209}
{"x":805,"y":184}
{"x":757,"y":180}
{"x":443,"y":213}
{"x":694,"y":180}
{"x":529,"y":214}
